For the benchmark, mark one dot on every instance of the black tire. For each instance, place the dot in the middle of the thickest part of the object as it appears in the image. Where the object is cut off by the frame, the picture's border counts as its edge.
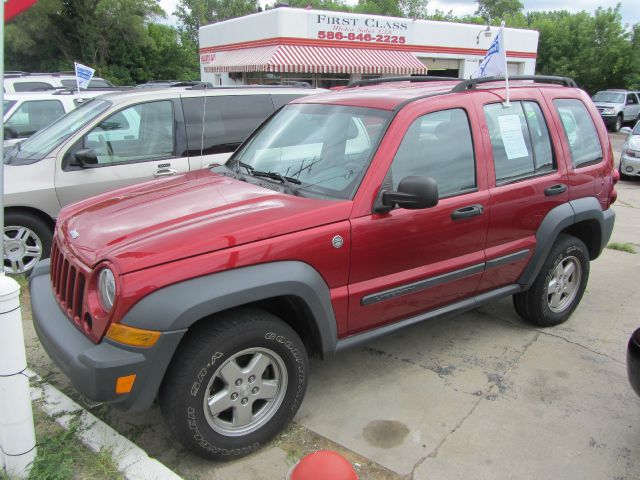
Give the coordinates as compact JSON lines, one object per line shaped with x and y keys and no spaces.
{"x":618,"y":124}
{"x":195,"y":372}
{"x":535,"y":305}
{"x":21,"y":252}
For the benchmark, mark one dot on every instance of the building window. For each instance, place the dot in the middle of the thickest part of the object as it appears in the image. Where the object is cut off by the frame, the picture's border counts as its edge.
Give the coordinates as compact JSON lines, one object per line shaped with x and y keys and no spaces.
{"x":328,"y":80}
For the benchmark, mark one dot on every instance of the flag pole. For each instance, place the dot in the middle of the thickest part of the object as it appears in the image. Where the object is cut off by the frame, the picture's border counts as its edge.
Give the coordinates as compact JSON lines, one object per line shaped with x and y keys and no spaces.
{"x":2,"y":147}
{"x":506,"y":104}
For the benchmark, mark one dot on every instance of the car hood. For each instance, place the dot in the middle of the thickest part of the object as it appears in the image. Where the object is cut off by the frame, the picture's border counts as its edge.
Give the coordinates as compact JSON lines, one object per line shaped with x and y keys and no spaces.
{"x":607,"y":104}
{"x":191,"y":214}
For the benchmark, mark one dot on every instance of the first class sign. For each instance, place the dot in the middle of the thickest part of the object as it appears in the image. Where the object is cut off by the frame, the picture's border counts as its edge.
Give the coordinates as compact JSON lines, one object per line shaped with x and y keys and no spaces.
{"x":359,"y":28}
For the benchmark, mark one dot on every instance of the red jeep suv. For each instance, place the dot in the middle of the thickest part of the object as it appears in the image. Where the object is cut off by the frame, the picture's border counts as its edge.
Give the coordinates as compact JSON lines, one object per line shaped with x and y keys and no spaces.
{"x":345,"y":216}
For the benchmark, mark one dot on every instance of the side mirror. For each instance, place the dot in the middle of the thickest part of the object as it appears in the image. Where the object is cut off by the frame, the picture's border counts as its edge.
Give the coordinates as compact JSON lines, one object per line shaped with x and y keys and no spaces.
{"x":413,"y":193}
{"x":86,"y":158}
{"x":10,"y":132}
{"x":625,"y":130}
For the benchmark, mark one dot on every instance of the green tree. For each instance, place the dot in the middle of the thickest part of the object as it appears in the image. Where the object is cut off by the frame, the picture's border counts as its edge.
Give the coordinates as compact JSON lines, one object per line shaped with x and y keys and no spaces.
{"x":195,"y":13}
{"x":497,"y":9}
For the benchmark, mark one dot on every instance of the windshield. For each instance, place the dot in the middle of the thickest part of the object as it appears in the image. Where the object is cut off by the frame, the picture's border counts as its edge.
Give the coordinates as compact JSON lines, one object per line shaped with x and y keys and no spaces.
{"x":636,"y":129}
{"x":7,"y":105}
{"x":609,"y":97}
{"x":43,"y":142}
{"x":326,"y":149}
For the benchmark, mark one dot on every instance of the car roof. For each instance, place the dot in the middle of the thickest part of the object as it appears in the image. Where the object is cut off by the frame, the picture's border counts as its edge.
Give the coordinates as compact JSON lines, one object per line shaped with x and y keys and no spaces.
{"x":188,"y":92}
{"x":392,"y":95}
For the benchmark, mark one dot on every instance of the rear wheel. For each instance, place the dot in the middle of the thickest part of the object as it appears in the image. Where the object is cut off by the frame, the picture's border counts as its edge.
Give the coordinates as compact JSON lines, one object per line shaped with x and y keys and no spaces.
{"x":559,"y":286}
{"x":27,"y":240}
{"x":234,"y":384}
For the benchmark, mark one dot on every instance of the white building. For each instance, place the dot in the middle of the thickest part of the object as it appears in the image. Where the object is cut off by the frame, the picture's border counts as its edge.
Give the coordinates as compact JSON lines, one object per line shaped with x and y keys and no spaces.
{"x":326,"y":49}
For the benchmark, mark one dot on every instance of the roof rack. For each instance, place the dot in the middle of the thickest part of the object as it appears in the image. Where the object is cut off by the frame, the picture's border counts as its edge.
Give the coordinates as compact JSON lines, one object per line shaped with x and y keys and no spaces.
{"x":473,"y":82}
{"x":74,"y":91}
{"x":417,"y":78}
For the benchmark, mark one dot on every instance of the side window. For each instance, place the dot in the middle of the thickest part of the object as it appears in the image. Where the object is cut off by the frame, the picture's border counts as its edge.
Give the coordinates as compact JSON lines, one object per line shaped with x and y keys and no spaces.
{"x":438,"y":145}
{"x":580,"y":132}
{"x":519,"y":140}
{"x":632,"y":99}
{"x":138,"y":133}
{"x":280,"y":100}
{"x":228,"y":121}
{"x":31,"y":86}
{"x":33,"y":115}
{"x":68,"y":83}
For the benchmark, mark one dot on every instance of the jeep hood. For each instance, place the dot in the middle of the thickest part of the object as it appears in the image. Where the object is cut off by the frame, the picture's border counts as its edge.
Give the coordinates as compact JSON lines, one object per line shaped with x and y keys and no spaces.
{"x":183,"y":216}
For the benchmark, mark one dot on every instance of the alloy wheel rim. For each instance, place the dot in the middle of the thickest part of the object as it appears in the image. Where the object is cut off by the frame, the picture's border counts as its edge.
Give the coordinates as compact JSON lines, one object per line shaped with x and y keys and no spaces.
{"x":564,"y":284}
{"x":245,"y":392}
{"x":22,"y":249}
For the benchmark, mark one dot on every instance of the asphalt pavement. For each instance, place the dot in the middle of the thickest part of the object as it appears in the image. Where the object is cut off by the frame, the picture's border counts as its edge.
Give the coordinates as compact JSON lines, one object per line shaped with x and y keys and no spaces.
{"x":482,"y":395}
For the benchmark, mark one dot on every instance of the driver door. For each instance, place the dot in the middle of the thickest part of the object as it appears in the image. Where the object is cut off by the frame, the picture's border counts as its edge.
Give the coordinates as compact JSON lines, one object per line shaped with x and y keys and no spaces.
{"x":132,"y":145}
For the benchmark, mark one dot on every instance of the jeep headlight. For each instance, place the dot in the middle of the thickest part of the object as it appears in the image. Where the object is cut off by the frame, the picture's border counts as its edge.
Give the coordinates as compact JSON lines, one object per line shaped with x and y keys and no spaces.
{"x":608,"y":111}
{"x":106,"y":288}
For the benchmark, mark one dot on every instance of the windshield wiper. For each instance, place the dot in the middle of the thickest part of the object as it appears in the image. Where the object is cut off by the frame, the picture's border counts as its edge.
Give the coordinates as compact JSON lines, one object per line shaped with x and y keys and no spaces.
{"x":287,"y":181}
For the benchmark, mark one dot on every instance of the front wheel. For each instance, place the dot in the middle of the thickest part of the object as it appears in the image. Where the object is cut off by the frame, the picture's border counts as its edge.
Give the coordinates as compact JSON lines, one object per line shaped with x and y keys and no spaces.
{"x":558,"y":288}
{"x":27,"y":240}
{"x":618,"y":125}
{"x":234,"y":384}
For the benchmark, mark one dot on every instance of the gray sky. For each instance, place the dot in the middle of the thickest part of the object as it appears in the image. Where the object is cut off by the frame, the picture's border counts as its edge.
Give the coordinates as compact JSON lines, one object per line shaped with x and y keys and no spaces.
{"x":462,"y":7}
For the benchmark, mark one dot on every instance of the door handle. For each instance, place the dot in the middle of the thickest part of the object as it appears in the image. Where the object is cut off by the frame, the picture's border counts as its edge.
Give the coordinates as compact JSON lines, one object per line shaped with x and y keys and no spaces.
{"x":164,"y":172}
{"x":466,"y":212}
{"x":555,"y":190}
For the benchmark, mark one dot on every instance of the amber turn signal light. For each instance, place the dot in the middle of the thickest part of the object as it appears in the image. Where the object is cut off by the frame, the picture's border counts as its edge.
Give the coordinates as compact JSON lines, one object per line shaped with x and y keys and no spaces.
{"x":136,"y":337}
{"x":125,"y":384}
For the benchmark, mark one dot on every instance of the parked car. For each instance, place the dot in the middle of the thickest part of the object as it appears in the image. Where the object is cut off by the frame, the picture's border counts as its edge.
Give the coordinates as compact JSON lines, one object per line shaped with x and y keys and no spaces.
{"x":26,"y":113}
{"x":346,"y":216}
{"x":16,"y":82}
{"x":117,"y":140}
{"x":617,"y":107}
{"x":633,"y":361}
{"x":630,"y":157}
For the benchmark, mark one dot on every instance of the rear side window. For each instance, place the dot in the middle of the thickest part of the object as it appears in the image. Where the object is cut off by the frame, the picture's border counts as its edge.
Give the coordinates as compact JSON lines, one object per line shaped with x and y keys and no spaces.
{"x":438,"y":145}
{"x":31,"y":86}
{"x":280,"y":100}
{"x":31,"y":116}
{"x":580,"y":132}
{"x":228,"y":121}
{"x":520,"y":140}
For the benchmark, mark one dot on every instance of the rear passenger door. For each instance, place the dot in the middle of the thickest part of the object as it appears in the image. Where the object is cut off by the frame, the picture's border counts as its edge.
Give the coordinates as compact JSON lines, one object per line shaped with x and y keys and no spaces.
{"x":406,"y":262}
{"x":137,"y":143}
{"x":527,"y":182}
{"x":228,"y":121}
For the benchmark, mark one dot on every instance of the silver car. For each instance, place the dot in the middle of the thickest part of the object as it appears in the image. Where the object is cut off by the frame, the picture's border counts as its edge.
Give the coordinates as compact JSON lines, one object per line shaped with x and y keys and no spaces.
{"x":630,"y":158}
{"x":617,"y":107}
{"x":117,"y":140}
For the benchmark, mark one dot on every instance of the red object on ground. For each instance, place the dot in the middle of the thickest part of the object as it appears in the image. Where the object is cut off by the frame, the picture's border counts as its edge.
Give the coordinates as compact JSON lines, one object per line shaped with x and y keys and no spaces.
{"x":323,"y":465}
{"x":14,"y":7}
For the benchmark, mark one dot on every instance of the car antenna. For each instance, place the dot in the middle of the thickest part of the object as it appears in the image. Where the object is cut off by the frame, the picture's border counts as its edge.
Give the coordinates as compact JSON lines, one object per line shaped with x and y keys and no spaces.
{"x":204,"y":111}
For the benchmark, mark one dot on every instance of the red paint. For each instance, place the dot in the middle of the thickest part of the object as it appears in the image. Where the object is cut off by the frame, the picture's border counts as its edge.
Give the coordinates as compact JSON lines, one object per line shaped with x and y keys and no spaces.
{"x":15,"y":7}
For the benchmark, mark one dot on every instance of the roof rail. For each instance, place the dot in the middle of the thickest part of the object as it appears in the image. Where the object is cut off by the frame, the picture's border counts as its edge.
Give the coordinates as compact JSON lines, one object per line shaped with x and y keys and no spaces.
{"x":416,"y":78}
{"x":473,"y":82}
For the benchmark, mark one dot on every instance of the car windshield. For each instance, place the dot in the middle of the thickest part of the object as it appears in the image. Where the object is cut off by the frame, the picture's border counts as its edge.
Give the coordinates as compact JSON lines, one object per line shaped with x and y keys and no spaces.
{"x":7,"y":104}
{"x":636,"y":129}
{"x":609,"y":97}
{"x":43,"y":142}
{"x":324,"y":149}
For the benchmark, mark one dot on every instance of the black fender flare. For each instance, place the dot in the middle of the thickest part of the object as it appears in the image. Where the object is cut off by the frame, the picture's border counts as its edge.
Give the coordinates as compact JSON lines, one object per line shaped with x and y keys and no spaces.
{"x":558,"y":220}
{"x":178,"y":306}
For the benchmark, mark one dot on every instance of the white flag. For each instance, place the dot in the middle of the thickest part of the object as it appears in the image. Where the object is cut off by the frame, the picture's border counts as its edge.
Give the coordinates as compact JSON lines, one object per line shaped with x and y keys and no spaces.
{"x":84,"y":75}
{"x":494,"y":63}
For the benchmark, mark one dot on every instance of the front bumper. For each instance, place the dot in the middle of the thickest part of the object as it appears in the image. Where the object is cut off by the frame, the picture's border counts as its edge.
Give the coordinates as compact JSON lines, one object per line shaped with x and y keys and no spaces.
{"x":93,"y":368}
{"x":609,"y":120}
{"x":629,"y":165}
{"x":633,"y":361}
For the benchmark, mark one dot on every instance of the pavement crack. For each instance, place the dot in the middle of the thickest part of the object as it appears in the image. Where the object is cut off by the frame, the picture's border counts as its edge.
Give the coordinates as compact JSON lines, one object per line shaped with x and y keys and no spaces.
{"x":577,"y":344}
{"x":436,"y":450}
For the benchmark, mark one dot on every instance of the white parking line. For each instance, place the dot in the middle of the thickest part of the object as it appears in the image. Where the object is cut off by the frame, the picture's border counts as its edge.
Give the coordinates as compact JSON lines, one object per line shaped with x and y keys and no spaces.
{"x":131,"y":460}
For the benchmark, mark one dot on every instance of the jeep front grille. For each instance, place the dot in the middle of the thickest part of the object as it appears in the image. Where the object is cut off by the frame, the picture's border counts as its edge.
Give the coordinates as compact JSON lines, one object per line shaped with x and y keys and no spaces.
{"x":69,"y":284}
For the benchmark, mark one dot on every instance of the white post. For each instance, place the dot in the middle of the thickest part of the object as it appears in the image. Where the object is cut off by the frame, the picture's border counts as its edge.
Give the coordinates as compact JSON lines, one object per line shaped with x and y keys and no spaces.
{"x":17,"y":435}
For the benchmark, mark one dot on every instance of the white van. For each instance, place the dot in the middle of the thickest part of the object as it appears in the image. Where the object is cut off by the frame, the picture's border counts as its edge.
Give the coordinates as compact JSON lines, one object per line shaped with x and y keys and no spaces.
{"x":121,"y":139}
{"x":16,"y":82}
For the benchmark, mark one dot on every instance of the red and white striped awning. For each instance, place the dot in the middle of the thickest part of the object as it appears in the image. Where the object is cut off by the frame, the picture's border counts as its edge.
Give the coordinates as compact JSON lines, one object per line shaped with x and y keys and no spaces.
{"x":309,"y":59}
